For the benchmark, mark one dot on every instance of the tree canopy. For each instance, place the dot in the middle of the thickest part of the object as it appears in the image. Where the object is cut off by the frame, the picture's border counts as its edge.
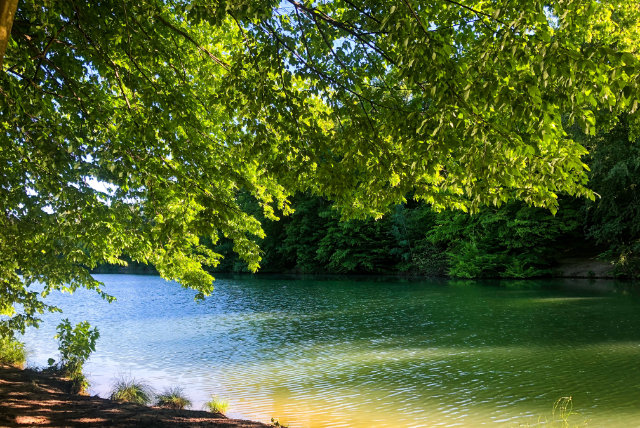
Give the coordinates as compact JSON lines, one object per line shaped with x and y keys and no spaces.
{"x":128,"y":128}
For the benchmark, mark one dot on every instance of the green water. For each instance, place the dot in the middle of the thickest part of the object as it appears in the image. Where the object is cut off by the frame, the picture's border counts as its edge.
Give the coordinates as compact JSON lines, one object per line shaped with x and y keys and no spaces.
{"x":369,"y":353}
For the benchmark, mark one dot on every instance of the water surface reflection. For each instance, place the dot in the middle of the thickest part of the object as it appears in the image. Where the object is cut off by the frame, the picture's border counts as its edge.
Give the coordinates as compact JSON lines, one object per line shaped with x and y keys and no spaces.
{"x":371,"y":353}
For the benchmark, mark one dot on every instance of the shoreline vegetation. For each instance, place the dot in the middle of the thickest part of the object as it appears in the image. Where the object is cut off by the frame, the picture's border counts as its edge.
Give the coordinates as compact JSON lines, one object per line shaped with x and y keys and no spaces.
{"x":57,"y":395}
{"x":29,"y":397}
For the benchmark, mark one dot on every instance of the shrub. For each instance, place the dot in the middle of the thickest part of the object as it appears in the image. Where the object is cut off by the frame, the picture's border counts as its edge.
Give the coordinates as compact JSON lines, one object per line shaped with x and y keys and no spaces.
{"x":75,"y":345}
{"x":173,"y":398}
{"x":131,"y":391}
{"x":12,"y":352}
{"x":217,"y":405}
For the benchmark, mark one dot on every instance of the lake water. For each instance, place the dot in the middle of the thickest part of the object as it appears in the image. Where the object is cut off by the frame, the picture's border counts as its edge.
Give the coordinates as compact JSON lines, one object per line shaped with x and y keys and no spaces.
{"x":370,"y":353}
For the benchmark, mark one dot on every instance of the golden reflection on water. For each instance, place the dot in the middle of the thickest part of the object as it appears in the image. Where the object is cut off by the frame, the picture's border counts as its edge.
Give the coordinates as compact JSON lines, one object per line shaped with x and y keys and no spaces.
{"x":371,"y":404}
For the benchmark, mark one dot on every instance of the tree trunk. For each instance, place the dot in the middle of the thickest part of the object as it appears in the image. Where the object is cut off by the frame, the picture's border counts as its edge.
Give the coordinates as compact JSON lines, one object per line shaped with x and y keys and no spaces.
{"x":7,"y":12}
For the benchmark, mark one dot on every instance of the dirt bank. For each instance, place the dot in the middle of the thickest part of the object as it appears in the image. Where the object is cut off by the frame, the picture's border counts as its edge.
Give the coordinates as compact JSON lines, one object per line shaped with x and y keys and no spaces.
{"x":583,"y":266}
{"x":30,"y":398}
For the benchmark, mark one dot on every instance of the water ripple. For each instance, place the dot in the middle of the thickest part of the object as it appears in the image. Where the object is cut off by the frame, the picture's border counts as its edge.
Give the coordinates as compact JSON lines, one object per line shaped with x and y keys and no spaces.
{"x":368,"y":353}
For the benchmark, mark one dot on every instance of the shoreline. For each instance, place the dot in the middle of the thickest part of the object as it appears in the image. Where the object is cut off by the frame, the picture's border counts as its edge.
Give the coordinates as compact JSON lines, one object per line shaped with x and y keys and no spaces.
{"x":32,"y":398}
{"x":565,"y":267}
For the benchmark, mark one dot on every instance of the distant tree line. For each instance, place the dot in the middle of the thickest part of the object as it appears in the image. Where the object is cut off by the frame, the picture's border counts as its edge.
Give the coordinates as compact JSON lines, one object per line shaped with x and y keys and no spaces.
{"x":513,"y":240}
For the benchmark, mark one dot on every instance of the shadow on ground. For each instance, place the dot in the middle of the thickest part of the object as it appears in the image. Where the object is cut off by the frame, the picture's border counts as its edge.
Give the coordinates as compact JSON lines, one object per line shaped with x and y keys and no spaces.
{"x":30,"y":398}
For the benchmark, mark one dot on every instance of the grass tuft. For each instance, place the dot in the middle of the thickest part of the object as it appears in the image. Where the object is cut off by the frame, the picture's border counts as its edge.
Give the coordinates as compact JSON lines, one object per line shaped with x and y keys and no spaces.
{"x":276,"y":423}
{"x":131,"y":391}
{"x":173,"y":398}
{"x":12,"y":352}
{"x":217,"y":405}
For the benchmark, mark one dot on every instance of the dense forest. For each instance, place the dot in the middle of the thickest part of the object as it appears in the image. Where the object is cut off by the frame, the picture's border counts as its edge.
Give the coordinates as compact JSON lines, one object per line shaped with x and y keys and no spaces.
{"x":511,"y":241}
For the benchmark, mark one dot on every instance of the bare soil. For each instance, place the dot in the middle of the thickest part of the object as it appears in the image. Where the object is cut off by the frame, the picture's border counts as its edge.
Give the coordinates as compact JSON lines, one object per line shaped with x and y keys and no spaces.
{"x":31,"y":398}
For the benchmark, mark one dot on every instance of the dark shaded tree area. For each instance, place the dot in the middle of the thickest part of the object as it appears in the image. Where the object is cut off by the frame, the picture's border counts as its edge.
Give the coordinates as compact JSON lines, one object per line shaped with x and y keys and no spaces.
{"x":613,"y":220}
{"x":513,"y":240}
